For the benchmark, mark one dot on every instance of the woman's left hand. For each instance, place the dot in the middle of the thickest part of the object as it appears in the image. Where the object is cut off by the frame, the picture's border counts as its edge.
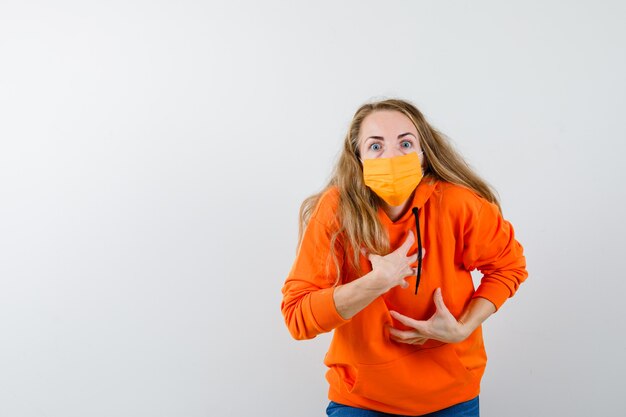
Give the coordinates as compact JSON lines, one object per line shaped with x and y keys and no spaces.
{"x":442,"y":326}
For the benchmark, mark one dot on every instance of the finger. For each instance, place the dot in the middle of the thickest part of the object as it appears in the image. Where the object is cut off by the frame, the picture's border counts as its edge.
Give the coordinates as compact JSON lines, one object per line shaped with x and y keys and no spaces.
{"x":413,"y":258}
{"x":372,"y":257}
{"x":409,"y":272}
{"x":412,"y":341}
{"x":397,"y":339}
{"x":404,"y":284}
{"x":364,"y":252}
{"x":403,"y":335}
{"x":438,"y":299}
{"x":408,"y":242}
{"x":407,"y":321}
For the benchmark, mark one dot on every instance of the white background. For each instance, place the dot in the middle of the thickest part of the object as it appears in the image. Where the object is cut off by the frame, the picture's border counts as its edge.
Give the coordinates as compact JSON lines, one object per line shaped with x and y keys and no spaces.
{"x":154,"y":154}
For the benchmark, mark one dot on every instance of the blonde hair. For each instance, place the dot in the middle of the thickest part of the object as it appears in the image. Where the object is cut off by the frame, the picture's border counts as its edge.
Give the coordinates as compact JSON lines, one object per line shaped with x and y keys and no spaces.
{"x":357,"y":212}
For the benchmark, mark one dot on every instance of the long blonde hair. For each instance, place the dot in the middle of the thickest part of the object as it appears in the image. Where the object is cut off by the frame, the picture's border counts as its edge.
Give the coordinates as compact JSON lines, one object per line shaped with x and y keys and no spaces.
{"x":358,"y":205}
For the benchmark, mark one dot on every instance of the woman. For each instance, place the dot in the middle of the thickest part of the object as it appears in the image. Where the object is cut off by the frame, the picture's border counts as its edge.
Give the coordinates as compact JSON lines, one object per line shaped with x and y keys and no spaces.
{"x":384,"y":259}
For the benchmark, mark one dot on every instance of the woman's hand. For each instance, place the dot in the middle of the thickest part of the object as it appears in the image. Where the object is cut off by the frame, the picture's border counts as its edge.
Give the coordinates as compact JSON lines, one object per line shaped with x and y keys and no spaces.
{"x":441,"y":326}
{"x":387,"y":272}
{"x":392,"y":269}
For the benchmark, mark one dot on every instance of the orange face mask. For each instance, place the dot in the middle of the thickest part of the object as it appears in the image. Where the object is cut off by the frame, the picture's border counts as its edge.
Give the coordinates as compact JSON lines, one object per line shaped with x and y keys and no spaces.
{"x":393,"y":179}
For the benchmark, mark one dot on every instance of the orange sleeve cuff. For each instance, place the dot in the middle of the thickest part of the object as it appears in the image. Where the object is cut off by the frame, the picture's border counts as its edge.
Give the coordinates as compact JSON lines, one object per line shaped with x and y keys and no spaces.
{"x":496,"y":293}
{"x":324,"y":311}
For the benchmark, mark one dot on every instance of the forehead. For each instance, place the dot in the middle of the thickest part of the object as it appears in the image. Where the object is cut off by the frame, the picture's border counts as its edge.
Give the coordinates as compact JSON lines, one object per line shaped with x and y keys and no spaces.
{"x":386,"y":123}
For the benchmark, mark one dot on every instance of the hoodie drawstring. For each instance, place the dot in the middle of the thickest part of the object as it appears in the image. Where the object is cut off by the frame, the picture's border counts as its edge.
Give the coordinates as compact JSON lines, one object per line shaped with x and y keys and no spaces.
{"x":418,"y":275}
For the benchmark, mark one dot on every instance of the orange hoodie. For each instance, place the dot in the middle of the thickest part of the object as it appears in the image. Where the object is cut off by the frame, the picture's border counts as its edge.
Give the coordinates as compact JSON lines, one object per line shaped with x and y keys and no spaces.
{"x":460,"y":232}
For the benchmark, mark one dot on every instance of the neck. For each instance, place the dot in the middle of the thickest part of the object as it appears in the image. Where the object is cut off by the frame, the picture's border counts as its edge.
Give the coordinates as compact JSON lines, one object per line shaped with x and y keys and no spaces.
{"x":395,"y":212}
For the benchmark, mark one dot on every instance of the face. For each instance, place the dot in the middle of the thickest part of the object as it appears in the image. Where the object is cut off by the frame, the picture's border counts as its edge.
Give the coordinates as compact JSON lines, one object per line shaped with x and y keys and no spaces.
{"x":387,"y":133}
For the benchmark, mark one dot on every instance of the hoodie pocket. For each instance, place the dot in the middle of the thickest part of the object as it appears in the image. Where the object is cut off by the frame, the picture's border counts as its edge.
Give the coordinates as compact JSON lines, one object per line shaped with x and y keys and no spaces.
{"x":426,"y":373}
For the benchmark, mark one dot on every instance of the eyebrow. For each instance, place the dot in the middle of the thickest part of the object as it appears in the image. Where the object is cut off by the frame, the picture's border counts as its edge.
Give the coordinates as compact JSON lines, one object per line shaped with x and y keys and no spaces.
{"x":399,"y":136}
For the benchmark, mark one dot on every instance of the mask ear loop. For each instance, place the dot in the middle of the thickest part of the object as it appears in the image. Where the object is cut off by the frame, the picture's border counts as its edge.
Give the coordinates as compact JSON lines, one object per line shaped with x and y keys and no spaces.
{"x":421,"y":162}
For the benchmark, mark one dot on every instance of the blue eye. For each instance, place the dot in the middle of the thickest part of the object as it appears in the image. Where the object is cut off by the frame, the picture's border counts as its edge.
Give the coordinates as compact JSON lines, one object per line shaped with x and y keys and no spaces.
{"x":375,"y":146}
{"x":406,"y":144}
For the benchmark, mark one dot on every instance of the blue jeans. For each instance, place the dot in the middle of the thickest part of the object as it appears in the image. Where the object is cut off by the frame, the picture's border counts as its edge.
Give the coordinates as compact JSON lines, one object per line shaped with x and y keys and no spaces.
{"x":465,"y":409}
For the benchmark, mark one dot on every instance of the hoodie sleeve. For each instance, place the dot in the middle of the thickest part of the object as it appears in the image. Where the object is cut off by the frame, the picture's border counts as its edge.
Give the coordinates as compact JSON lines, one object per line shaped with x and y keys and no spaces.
{"x":308,"y":305}
{"x":490,"y":247}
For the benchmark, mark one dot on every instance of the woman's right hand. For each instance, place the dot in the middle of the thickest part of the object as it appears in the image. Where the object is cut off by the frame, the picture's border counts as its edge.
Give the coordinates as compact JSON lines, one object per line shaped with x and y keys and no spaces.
{"x":387,"y":272}
{"x":392,"y":269}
